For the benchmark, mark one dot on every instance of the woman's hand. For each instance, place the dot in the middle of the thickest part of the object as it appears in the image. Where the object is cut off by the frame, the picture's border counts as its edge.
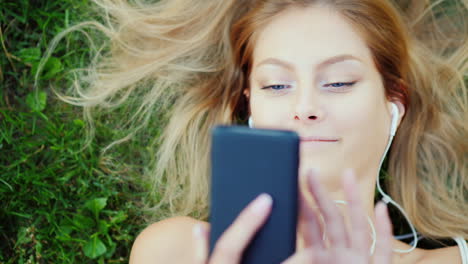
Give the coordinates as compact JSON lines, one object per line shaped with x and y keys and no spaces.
{"x":344,"y":246}
{"x":234,"y":240}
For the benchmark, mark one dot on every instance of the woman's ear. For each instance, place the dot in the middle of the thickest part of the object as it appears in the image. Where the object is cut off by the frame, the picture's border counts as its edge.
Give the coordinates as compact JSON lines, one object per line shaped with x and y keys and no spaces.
{"x":247,"y":93}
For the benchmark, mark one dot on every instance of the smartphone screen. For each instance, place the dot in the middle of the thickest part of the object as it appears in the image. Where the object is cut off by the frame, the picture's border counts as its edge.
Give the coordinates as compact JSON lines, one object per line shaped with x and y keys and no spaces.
{"x":245,"y":163}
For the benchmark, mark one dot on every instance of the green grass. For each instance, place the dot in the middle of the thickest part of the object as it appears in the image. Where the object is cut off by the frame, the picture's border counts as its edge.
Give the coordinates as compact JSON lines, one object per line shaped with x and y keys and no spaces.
{"x":59,"y":203}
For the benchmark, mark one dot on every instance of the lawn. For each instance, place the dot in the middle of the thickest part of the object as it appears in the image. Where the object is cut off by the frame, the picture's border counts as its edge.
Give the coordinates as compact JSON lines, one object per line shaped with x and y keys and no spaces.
{"x":61,"y":202}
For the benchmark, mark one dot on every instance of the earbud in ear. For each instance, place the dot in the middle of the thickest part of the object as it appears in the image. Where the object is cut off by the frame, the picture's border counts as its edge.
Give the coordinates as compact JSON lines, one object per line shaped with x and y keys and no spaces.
{"x":250,"y":122}
{"x":395,"y":114}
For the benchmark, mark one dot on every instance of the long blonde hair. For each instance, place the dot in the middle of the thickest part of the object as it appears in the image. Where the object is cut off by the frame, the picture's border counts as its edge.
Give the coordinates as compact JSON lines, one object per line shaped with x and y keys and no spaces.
{"x":190,"y":60}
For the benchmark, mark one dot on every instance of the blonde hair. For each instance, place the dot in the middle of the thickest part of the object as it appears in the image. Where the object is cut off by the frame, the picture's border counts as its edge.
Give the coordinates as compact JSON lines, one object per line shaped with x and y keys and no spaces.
{"x":190,"y":60}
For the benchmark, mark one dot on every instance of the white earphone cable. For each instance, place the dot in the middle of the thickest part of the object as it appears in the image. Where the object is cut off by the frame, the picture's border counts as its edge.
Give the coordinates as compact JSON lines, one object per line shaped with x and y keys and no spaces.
{"x":385,"y":197}
{"x":374,"y":233}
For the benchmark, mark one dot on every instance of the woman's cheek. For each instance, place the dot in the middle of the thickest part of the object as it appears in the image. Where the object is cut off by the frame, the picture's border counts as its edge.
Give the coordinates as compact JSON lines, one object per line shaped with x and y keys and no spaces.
{"x":269,"y":113}
{"x":349,"y":117}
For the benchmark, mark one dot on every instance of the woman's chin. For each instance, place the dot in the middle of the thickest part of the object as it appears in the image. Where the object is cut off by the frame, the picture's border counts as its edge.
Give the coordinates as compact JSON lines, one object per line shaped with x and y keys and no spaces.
{"x":328,"y":174}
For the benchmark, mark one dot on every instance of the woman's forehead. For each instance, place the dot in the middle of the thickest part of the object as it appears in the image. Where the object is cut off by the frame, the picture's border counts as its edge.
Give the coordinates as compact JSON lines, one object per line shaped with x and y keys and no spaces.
{"x":309,"y":36}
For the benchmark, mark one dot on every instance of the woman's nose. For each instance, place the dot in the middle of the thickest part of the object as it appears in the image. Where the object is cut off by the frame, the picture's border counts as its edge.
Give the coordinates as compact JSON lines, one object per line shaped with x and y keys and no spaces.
{"x":308,"y":108}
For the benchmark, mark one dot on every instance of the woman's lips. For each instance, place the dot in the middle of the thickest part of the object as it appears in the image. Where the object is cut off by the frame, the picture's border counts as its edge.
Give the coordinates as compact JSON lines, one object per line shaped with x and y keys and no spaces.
{"x":318,"y":139}
{"x":317,"y":143}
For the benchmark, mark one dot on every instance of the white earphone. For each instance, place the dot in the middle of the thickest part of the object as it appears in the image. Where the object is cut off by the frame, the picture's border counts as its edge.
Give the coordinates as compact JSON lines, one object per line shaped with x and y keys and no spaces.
{"x":394,"y":125}
{"x":385,"y":197}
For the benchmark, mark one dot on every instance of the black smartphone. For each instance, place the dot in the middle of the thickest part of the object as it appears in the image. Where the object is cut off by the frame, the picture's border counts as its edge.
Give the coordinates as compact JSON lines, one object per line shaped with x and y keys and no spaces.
{"x":245,"y":163}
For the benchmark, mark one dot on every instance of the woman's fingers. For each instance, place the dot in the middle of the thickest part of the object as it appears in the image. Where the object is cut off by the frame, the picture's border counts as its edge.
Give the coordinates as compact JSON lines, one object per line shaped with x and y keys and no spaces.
{"x":383,"y":252}
{"x":231,"y":244}
{"x":334,"y":223}
{"x":309,"y":226}
{"x":359,"y":223}
{"x":301,"y":257}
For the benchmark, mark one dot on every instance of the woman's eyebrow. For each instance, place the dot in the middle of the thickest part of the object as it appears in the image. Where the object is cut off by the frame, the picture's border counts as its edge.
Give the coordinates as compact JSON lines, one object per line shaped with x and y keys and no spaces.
{"x":319,"y":66}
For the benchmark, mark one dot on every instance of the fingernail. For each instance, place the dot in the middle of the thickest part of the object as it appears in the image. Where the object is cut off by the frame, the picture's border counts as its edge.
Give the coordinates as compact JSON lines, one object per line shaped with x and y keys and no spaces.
{"x":382,"y":209}
{"x":383,"y":215}
{"x":385,"y":210}
{"x":262,"y":203}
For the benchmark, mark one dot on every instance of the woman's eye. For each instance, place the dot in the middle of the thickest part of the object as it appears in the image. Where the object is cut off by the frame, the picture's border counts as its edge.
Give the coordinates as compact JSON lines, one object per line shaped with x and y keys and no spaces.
{"x":336,"y":87}
{"x":339,"y":86}
{"x":276,"y":87}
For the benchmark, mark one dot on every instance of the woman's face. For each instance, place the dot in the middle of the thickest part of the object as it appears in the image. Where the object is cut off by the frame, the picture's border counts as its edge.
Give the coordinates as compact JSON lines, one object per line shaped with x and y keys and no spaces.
{"x":314,"y":74}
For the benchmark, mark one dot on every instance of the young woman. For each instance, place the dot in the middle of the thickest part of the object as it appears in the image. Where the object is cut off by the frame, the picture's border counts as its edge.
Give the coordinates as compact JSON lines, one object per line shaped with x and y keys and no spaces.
{"x":337,"y":72}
